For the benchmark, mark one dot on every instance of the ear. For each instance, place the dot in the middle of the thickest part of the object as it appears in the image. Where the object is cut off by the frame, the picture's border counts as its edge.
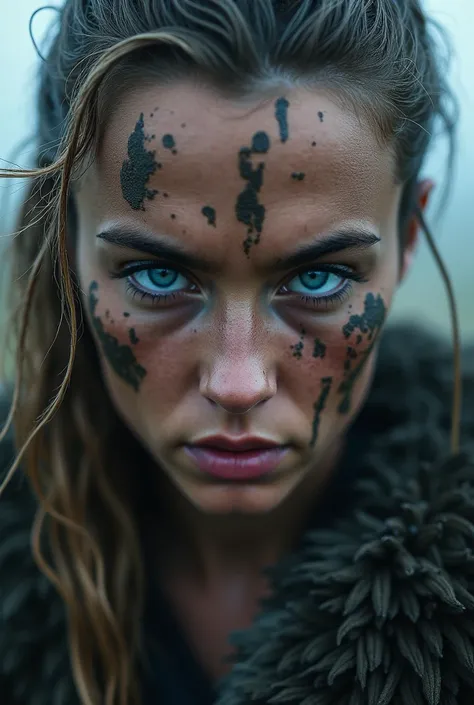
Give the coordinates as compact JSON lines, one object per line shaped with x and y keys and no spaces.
{"x":424,"y":190}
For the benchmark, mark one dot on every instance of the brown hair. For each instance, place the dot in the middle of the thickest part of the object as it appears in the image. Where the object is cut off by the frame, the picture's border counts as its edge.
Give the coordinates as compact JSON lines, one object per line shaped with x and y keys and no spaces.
{"x":380,"y":56}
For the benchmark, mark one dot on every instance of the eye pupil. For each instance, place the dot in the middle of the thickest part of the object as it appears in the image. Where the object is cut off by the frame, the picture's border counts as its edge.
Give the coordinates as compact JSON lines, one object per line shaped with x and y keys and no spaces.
{"x":315,"y":279}
{"x":161,"y":277}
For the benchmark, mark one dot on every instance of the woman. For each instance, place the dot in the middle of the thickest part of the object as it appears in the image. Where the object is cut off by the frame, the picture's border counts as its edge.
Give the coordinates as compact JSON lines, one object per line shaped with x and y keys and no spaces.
{"x":218,"y":432}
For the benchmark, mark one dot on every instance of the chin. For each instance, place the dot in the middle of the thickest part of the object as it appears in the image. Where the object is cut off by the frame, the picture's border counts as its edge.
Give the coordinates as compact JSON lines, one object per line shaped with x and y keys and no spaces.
{"x":238,"y":498}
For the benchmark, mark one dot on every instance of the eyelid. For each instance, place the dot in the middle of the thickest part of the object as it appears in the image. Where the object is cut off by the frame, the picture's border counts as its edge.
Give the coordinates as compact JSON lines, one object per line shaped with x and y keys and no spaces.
{"x":130,"y":268}
{"x":341,"y":269}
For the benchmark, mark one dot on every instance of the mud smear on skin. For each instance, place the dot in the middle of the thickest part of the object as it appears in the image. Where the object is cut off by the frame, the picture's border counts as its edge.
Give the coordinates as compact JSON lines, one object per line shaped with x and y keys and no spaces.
{"x":298,"y":348}
{"x":133,"y":336}
{"x":319,"y":406}
{"x":137,"y":169}
{"x":168,"y":142}
{"x":319,"y":349}
{"x":210,"y":213}
{"x":368,"y":324}
{"x":247,"y":208}
{"x":120,"y":357}
{"x":281,"y":115}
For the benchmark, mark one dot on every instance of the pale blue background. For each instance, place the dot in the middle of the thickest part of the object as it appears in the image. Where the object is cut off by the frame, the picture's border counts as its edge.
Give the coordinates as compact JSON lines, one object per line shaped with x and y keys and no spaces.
{"x":423,"y":294}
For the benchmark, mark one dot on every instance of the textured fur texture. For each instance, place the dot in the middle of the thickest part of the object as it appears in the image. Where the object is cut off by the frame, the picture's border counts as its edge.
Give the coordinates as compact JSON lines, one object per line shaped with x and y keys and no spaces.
{"x":376,"y":608}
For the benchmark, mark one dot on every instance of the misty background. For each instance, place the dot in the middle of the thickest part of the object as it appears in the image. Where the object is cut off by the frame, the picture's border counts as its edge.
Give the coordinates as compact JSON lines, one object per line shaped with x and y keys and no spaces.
{"x":422,"y":297}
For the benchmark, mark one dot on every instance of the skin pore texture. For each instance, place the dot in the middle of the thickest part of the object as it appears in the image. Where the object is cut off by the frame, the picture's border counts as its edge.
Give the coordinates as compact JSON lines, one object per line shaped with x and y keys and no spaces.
{"x":241,"y":343}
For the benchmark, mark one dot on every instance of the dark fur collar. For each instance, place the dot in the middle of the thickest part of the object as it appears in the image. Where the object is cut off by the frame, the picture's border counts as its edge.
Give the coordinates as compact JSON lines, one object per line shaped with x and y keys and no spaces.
{"x":377,"y":608}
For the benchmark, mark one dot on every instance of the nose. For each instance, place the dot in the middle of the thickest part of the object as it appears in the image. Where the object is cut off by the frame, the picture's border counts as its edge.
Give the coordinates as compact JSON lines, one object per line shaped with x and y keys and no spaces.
{"x":237,"y":377}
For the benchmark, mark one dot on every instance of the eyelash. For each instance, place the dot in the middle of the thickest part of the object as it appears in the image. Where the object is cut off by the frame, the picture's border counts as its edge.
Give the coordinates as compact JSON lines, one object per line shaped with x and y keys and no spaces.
{"x":338,"y":296}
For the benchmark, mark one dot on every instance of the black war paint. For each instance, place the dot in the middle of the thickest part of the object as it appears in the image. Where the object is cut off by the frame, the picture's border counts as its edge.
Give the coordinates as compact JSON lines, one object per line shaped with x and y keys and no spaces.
{"x":120,"y":357}
{"x":319,"y":349}
{"x":168,"y":142}
{"x":210,"y":213}
{"x":137,"y":169}
{"x":319,"y":406}
{"x":368,"y":325}
{"x":133,"y":336}
{"x":281,"y":114}
{"x":247,"y":208}
{"x":298,"y":348}
{"x":298,"y":175}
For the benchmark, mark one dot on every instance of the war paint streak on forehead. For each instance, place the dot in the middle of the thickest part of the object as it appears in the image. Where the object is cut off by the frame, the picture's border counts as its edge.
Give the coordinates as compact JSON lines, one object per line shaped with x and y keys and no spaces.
{"x":210,"y":213}
{"x":137,"y":169}
{"x":369,"y":325}
{"x":168,"y":142}
{"x":120,"y":357}
{"x":247,"y":208}
{"x":319,"y":406}
{"x":281,"y":114}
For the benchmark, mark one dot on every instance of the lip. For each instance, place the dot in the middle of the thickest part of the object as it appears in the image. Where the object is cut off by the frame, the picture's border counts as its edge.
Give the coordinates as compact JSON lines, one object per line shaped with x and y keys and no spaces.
{"x":236,"y":444}
{"x":236,"y":465}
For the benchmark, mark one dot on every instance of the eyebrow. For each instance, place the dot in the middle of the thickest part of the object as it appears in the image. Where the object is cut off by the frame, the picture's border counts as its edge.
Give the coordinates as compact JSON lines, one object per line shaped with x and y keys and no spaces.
{"x":357,"y":238}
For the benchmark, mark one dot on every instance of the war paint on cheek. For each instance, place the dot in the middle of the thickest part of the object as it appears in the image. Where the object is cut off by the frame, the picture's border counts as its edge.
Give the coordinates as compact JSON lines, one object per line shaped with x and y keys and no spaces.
{"x":319,"y":349}
{"x":247,"y":208}
{"x":370,"y":321}
{"x":298,"y":175}
{"x":369,"y":324}
{"x":137,"y":169}
{"x":281,"y":114}
{"x":298,"y":348}
{"x":210,"y":213}
{"x":319,"y":407}
{"x":120,"y":357}
{"x":133,"y":336}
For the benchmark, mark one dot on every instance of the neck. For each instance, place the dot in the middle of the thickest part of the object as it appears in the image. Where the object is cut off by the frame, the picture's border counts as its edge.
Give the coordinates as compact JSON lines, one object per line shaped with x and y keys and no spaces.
{"x":211,"y":548}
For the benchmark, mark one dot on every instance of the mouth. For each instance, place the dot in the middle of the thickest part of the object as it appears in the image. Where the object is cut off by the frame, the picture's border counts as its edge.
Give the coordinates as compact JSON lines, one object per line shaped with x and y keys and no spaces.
{"x":231,"y":464}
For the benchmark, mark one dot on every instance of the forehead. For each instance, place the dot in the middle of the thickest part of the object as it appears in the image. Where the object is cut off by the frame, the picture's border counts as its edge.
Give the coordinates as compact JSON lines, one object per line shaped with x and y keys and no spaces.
{"x":323,"y":162}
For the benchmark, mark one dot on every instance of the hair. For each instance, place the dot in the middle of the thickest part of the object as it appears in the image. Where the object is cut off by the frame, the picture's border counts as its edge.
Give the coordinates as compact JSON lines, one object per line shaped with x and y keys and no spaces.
{"x":380,"y":57}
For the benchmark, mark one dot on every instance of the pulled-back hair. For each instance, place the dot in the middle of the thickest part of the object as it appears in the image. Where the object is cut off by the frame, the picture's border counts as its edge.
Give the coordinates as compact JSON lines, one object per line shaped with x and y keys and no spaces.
{"x":378,"y":56}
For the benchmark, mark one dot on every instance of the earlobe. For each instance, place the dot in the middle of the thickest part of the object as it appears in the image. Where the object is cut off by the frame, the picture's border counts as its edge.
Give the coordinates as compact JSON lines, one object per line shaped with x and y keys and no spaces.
{"x":424,"y":190}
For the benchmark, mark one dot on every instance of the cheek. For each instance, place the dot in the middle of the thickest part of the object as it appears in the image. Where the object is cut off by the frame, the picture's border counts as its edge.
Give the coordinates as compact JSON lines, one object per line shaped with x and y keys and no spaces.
{"x":343,"y":365}
{"x":320,"y":357}
{"x":167,"y":360}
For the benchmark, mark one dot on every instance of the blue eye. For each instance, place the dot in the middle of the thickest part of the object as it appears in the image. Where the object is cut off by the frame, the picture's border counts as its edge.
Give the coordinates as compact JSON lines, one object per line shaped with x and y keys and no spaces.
{"x":317,"y":282}
{"x":157,"y":280}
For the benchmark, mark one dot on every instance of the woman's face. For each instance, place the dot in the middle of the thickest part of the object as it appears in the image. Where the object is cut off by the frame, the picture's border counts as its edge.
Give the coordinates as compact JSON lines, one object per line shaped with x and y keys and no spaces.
{"x":237,"y":264}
